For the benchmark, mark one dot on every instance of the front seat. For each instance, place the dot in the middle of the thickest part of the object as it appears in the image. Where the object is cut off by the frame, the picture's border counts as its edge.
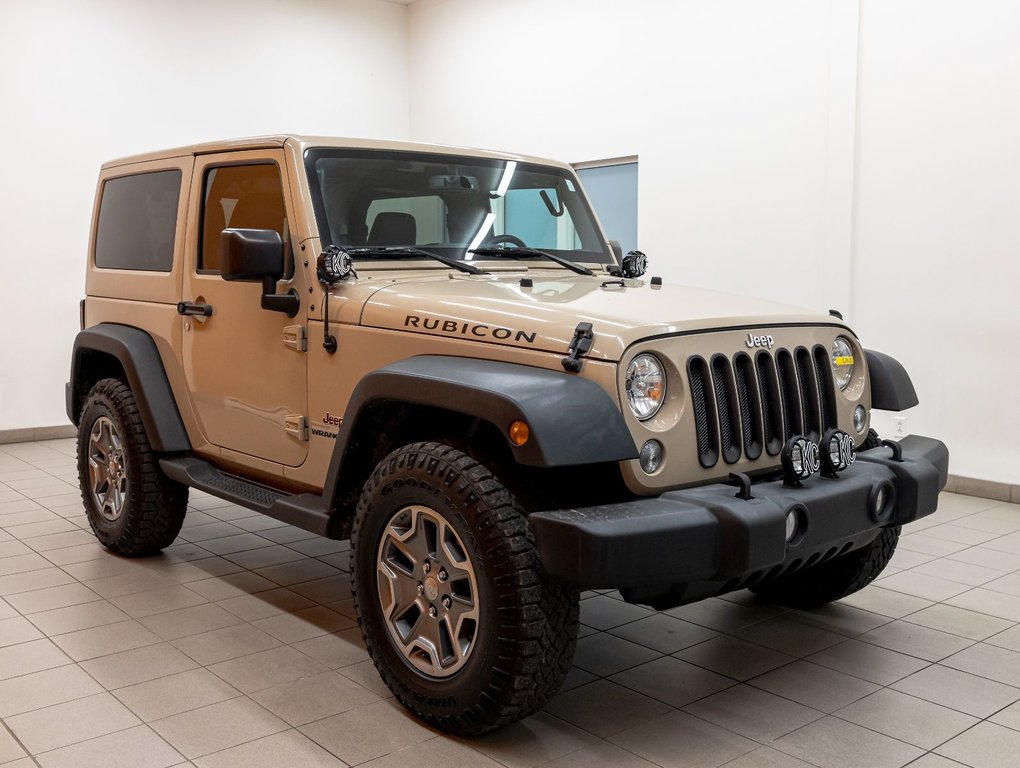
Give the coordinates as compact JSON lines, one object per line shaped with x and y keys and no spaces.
{"x":393,"y":228}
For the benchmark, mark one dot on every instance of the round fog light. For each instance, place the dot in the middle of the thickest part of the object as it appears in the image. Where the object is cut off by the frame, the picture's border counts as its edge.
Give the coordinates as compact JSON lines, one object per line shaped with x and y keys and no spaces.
{"x":651,"y":456}
{"x":879,"y":503}
{"x":800,"y":460}
{"x":860,"y":418}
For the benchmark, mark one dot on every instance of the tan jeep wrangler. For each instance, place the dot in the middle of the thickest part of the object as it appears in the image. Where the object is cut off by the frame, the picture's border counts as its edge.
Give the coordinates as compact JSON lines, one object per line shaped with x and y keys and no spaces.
{"x":437,"y":353}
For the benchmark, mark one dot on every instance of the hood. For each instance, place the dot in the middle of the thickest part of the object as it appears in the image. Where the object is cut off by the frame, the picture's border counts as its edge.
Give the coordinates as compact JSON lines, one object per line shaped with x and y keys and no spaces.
{"x":497,"y":309}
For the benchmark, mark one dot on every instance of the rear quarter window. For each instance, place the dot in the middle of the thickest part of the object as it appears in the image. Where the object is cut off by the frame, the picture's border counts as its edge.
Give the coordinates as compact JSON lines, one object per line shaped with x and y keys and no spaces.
{"x":138,"y":221}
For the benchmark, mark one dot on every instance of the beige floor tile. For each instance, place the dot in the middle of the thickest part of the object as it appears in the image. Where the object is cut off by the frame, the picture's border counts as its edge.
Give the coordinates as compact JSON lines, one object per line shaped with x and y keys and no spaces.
{"x":105,"y":567}
{"x":290,"y":574}
{"x":665,"y":634}
{"x":325,"y":590}
{"x":834,"y":743}
{"x":723,"y":615}
{"x":33,"y":656}
{"x":992,"y":662}
{"x":734,"y":658}
{"x":274,"y":554}
{"x":17,"y":630}
{"x":601,"y":754}
{"x":137,"y":747}
{"x":959,"y":690}
{"x":604,"y":654}
{"x":368,"y":732}
{"x":840,"y":618}
{"x":51,"y":598}
{"x":915,"y":721}
{"x":232,"y":585}
{"x":1009,"y":717}
{"x":785,"y":634}
{"x":22,"y":563}
{"x":306,"y":700}
{"x":868,"y":662}
{"x":915,"y":640}
{"x":289,"y":748}
{"x":1008,"y":638}
{"x":603,"y":612}
{"x":137,"y":665}
{"x":236,"y":543}
{"x":267,"y":669}
{"x":766,"y":757}
{"x":449,"y":753}
{"x":304,"y":624}
{"x":319,"y":546}
{"x":366,"y":675}
{"x":190,"y":571}
{"x":102,"y":641}
{"x":959,"y":621}
{"x":6,"y":611}
{"x":74,"y":617}
{"x":272,"y":602}
{"x":337,"y":649}
{"x":156,"y":601}
{"x":45,"y":688}
{"x":680,"y":740}
{"x":604,"y":708}
{"x":885,"y":602}
{"x":30,"y":530}
{"x":68,"y":723}
{"x":227,"y":643}
{"x":814,"y":686}
{"x":753,"y":713}
{"x":129,"y":583}
{"x":1009,"y":584}
{"x":954,"y":570}
{"x":17,"y":583}
{"x":78,"y":554}
{"x":959,"y":533}
{"x":986,"y":745}
{"x":982,"y":600}
{"x":923,"y":585}
{"x":672,"y":681}
{"x":217,"y":727}
{"x":64,"y":540}
{"x":210,"y":531}
{"x":9,"y":747}
{"x":174,"y":694}
{"x":184,"y":622}
{"x":13,"y":548}
{"x":931,"y":760}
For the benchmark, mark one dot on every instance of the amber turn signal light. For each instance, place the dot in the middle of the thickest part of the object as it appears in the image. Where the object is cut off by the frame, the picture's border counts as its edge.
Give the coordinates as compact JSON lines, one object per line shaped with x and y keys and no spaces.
{"x":519,"y":432}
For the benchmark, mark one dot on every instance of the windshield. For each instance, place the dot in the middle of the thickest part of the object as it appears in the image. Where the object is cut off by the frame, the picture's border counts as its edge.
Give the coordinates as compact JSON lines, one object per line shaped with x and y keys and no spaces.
{"x":449,"y":204}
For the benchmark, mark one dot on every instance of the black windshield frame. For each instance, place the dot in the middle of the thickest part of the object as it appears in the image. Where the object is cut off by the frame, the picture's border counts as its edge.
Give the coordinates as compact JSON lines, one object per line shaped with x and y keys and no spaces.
{"x":313,"y":155}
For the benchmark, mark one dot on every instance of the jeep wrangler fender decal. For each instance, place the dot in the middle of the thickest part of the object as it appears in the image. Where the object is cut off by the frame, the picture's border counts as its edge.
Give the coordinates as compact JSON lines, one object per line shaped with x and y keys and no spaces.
{"x":138,"y":356}
{"x":891,"y":387}
{"x":573,"y":421}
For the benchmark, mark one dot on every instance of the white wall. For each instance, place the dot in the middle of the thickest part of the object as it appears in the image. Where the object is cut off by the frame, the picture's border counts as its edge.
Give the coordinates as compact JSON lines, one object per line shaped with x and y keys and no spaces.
{"x":726,"y":103}
{"x":937,"y":256}
{"x":761,"y":173}
{"x":81,"y":83}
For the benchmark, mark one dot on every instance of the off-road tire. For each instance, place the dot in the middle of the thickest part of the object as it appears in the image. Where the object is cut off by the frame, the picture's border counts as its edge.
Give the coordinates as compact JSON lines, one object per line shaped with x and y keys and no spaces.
{"x":527,"y":629}
{"x":871,"y":441}
{"x":839,"y":577}
{"x":154,"y":506}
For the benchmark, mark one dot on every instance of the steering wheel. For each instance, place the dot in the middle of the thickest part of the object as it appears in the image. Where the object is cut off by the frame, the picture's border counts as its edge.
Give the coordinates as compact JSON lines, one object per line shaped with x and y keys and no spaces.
{"x":504,"y":238}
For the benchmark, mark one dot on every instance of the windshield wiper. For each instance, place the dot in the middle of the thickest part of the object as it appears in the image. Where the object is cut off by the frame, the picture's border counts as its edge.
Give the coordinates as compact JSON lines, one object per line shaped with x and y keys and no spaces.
{"x":400,"y":250}
{"x":572,"y":265}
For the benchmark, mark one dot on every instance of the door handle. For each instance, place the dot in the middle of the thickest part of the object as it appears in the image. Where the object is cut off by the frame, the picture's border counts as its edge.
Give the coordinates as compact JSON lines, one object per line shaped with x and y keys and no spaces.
{"x":191,"y":308}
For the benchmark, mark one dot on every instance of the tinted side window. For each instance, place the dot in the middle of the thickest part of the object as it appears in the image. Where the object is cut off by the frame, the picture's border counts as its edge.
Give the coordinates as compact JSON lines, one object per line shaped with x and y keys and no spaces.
{"x":138,"y":221}
{"x":239,"y":197}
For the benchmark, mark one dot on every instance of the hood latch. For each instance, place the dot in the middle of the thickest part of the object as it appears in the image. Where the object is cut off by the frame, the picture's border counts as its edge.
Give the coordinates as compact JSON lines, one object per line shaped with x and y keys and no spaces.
{"x":579,"y":346}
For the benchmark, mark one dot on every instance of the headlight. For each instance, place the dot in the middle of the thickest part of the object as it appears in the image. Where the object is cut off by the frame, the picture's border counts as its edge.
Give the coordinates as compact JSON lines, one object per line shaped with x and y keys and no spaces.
{"x":842,"y":361}
{"x":646,"y":386}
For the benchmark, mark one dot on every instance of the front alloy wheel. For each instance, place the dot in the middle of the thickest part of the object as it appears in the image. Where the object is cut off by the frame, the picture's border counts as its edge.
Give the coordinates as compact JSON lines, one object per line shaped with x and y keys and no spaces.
{"x":107,"y":469}
{"x":428,"y":591}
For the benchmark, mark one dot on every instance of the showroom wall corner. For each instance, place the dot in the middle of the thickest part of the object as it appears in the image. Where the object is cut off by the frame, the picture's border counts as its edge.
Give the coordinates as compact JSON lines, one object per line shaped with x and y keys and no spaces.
{"x":82,"y":83}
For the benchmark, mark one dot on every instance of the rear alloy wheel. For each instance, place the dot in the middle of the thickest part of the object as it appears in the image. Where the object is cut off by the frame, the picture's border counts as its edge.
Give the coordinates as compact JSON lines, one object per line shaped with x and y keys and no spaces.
{"x":457,"y":613}
{"x":133,"y":508}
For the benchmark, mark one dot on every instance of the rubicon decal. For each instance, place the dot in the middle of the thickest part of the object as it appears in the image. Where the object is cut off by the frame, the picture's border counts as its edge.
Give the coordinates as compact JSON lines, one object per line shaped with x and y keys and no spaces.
{"x":460,"y":328}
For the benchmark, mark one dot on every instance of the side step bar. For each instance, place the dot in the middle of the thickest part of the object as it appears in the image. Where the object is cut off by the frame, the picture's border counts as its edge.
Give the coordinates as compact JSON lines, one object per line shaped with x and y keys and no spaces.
{"x":305,"y":510}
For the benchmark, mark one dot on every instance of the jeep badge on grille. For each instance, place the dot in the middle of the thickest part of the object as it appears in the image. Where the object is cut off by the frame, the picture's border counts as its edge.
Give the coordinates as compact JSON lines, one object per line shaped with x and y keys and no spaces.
{"x":759,"y":341}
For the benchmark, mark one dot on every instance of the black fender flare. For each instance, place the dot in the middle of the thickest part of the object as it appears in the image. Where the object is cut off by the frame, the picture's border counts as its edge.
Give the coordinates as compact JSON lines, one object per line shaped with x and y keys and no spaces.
{"x":572,"y":420}
{"x":136,"y":352}
{"x":891,"y":387}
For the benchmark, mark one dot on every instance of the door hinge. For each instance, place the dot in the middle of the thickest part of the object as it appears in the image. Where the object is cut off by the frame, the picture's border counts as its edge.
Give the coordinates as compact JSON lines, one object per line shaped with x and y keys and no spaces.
{"x":295,"y":338}
{"x":297,"y":426}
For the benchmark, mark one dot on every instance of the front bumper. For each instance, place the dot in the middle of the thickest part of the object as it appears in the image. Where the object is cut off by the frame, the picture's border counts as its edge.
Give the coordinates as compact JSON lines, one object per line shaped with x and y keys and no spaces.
{"x":686,"y":545}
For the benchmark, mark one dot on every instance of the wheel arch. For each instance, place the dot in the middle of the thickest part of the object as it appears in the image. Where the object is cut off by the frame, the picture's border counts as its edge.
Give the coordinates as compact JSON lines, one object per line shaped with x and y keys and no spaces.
{"x":891,"y":387}
{"x":109,"y":350}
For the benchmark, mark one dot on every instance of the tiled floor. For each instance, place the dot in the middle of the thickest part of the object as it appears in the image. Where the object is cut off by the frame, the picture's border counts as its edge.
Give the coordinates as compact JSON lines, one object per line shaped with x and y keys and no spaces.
{"x":237,"y":647}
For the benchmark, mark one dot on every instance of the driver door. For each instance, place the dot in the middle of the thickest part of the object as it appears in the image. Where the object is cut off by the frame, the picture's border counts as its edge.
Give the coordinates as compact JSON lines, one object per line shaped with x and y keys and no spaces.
{"x":248,"y":387}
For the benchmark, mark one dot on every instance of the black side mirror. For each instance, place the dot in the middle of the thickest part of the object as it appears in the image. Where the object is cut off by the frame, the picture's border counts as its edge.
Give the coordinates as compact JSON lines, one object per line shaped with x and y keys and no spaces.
{"x":252,"y":255}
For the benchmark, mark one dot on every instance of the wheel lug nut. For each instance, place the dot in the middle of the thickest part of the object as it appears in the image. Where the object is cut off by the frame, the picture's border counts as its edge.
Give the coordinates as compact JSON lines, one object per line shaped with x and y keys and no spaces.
{"x":442,"y":574}
{"x":427,"y":566}
{"x":432,"y":611}
{"x":446,"y":601}
{"x":421,"y":588}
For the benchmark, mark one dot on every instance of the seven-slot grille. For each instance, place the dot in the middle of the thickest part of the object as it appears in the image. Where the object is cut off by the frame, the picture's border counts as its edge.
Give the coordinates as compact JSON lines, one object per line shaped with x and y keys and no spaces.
{"x":755,"y":402}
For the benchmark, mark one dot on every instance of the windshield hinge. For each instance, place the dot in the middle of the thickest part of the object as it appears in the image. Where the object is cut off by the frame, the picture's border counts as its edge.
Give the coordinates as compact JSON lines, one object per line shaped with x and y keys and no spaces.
{"x":295,"y":338}
{"x":296,"y":425}
{"x":579,"y":346}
